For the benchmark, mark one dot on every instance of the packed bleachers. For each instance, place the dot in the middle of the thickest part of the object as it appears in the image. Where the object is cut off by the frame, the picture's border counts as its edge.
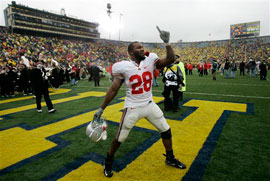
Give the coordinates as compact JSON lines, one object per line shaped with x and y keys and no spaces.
{"x":21,"y":51}
{"x":13,"y":46}
{"x":63,"y":59}
{"x":239,"y":50}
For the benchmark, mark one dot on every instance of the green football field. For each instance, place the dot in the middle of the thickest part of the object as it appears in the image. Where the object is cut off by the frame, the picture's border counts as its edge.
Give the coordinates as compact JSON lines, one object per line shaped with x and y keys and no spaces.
{"x":237,"y":148}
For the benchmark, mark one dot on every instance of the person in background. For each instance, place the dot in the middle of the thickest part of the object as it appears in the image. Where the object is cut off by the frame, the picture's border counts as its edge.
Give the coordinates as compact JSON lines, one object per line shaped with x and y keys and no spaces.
{"x":186,"y":68}
{"x":214,"y":69}
{"x":55,"y":75}
{"x":90,"y":72}
{"x":263,"y":70}
{"x":25,"y":80}
{"x":252,"y":68}
{"x":156,"y":75}
{"x":73,"y":75}
{"x":242,"y":68}
{"x":11,"y":80}
{"x":41,"y":85}
{"x":226,"y":68}
{"x":96,"y":74}
{"x":205,"y":67}
{"x":182,"y":89}
{"x":190,"y":68}
{"x":173,"y":81}
{"x":208,"y":65}
{"x":233,"y":69}
{"x":200,"y":68}
{"x":3,"y":81}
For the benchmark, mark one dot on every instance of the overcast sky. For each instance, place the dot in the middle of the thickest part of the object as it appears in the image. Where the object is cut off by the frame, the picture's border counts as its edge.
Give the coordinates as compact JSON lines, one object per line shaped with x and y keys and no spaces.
{"x":187,"y":20}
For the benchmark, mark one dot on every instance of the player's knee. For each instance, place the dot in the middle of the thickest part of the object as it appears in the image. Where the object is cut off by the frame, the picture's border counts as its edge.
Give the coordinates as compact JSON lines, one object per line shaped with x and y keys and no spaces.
{"x":122,"y":139}
{"x":128,"y":125}
{"x":166,"y":134}
{"x":123,"y":135}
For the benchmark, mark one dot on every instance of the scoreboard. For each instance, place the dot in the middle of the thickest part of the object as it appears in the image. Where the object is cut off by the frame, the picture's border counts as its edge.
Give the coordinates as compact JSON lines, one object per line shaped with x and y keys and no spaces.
{"x":245,"y":29}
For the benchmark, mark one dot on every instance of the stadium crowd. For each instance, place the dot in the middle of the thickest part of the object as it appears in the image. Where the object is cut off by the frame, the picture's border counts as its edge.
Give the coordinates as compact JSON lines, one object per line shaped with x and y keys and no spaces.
{"x":63,"y":60}
{"x":70,"y":60}
{"x":252,"y":57}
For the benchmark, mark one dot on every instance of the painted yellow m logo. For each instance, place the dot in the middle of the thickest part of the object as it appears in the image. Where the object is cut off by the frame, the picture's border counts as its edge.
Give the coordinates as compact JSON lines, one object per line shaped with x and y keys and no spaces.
{"x":189,"y":136}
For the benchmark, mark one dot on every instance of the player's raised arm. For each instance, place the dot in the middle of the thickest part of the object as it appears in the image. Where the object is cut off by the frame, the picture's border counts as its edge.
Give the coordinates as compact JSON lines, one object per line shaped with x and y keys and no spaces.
{"x":170,"y":57}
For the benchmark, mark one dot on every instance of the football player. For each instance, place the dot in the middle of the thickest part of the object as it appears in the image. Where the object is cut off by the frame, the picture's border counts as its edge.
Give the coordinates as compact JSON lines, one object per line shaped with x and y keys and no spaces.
{"x":137,"y":75}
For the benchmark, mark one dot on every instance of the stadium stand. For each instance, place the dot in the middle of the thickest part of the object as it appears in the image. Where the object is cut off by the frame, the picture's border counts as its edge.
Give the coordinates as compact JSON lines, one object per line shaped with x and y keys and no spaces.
{"x":71,"y":46}
{"x":21,"y":19}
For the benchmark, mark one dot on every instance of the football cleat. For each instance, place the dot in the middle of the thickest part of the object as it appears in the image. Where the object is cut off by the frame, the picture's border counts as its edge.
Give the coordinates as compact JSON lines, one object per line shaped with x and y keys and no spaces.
{"x":51,"y":110}
{"x":96,"y":130}
{"x":174,"y":162}
{"x":108,"y":172}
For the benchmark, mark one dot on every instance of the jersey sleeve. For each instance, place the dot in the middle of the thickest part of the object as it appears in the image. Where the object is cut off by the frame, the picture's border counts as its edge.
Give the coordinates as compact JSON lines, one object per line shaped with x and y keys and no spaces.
{"x":117,"y":70}
{"x":154,"y":59}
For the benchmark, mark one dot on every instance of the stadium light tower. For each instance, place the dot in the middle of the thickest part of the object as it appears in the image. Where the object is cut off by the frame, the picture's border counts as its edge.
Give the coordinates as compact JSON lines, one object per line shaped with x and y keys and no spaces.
{"x":109,"y":12}
{"x":114,"y":26}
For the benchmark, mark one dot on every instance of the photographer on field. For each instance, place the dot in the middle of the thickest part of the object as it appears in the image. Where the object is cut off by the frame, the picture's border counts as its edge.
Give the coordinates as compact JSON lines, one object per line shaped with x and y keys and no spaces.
{"x":173,"y":82}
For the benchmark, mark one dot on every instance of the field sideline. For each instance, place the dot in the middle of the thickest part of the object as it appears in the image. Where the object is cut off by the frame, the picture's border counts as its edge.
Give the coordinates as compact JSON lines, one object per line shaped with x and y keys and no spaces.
{"x":221,"y":132}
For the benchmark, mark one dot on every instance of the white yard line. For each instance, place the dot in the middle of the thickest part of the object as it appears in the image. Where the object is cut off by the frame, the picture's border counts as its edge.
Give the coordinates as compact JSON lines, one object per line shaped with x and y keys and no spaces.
{"x":227,"y":95}
{"x":195,"y":93}
{"x":233,"y":84}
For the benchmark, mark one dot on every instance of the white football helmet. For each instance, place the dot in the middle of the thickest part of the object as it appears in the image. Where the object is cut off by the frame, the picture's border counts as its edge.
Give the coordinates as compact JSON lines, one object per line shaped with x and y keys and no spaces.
{"x":96,"y":130}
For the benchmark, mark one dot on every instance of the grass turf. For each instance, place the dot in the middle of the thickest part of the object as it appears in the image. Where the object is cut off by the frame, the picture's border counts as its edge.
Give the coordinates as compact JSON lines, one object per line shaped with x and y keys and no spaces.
{"x":241,"y":153}
{"x":53,"y":162}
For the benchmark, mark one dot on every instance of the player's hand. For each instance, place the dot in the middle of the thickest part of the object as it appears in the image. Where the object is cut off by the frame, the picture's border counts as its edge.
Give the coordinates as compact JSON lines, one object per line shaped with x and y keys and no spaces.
{"x":98,"y":114}
{"x":164,"y":35}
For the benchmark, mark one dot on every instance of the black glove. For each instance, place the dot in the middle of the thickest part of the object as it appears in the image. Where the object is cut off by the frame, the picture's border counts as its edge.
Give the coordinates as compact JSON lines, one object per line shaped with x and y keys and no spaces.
{"x":98,"y":114}
{"x":164,"y":35}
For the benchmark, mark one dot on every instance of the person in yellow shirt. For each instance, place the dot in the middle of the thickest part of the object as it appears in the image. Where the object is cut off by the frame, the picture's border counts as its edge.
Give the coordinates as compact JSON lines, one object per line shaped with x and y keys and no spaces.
{"x":182,"y":68}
